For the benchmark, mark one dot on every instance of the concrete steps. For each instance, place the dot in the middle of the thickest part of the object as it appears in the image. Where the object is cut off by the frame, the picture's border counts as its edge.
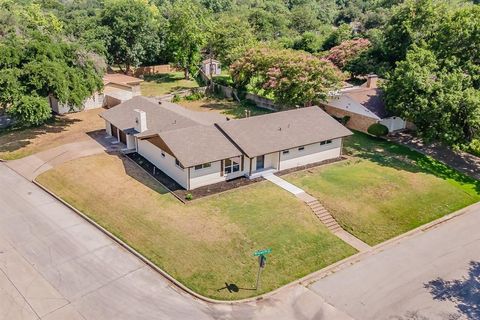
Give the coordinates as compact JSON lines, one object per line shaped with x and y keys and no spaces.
{"x":324,"y":216}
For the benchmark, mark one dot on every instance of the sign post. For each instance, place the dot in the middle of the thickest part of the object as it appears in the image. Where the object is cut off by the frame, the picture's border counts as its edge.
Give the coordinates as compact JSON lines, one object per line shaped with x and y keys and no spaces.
{"x":262,"y":262}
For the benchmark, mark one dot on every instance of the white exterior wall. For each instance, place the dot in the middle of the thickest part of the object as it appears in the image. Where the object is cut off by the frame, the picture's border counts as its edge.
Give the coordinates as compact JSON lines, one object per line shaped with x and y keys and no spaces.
{"x":167,"y":164}
{"x":394,"y":123}
{"x":108,"y":128}
{"x":130,"y":142}
{"x":311,"y":154}
{"x":206,"y":176}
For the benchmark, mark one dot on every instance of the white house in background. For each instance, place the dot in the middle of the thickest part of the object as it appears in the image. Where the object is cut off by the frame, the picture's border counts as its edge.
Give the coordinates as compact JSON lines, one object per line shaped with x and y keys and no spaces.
{"x":365,"y":106}
{"x":197,"y":150}
{"x":117,"y":88}
{"x":211,"y":67}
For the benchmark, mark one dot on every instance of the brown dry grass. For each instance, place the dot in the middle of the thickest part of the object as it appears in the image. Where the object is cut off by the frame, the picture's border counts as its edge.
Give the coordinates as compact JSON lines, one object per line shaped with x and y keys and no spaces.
{"x":61,"y":130}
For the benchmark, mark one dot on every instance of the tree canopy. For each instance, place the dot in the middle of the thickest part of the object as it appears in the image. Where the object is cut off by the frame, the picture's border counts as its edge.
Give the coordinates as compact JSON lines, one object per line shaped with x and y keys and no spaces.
{"x":290,"y":77}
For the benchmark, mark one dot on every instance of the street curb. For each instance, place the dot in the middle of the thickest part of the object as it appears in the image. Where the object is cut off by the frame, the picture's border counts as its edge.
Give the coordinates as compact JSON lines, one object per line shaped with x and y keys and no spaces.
{"x":304,"y":281}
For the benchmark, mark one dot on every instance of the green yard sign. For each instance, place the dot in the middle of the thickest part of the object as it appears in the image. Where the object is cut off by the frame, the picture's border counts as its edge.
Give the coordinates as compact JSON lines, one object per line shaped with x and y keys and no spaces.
{"x":262,"y":252}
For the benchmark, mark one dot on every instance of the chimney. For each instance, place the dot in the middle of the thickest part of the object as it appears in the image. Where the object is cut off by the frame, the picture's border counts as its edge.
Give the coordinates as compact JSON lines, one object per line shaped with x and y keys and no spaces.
{"x":140,"y":120}
{"x":372,"y":81}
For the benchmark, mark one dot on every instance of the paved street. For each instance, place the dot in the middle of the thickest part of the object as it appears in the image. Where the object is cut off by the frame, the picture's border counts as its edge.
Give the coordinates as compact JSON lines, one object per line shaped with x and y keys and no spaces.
{"x":55,"y":265}
{"x":401,"y":281}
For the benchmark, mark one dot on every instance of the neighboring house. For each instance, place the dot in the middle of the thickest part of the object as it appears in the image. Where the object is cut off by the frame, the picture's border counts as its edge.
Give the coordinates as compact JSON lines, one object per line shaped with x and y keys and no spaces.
{"x":365,"y":106}
{"x":197,"y":151}
{"x":117,"y":88}
{"x":211,"y":67}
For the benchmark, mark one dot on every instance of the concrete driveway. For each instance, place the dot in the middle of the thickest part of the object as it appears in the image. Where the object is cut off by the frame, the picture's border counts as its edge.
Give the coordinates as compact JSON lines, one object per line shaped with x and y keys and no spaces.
{"x":32,"y":166}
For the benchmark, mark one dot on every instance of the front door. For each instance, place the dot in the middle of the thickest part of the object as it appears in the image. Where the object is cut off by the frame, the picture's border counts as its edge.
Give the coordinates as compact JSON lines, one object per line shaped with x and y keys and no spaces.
{"x":260,"y":162}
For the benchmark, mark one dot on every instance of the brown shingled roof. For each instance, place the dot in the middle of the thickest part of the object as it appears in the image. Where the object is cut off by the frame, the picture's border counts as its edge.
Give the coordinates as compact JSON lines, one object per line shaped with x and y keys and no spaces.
{"x":197,"y":145}
{"x":158,"y":119}
{"x":283,"y":130}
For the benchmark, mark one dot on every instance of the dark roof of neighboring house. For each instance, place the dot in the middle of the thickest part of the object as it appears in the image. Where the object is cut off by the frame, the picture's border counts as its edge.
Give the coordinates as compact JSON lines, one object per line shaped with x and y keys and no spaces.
{"x":370,"y":98}
{"x":199,"y":144}
{"x":282,"y":130}
{"x":158,"y":119}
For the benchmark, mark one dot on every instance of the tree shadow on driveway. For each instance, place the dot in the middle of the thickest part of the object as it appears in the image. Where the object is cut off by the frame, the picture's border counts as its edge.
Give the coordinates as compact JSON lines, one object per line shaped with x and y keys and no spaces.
{"x":464,"y":293}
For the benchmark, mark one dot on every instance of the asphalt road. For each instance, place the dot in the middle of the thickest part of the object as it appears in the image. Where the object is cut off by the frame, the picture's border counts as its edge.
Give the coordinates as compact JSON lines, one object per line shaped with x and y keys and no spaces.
{"x":431,"y":275}
{"x":55,"y":265}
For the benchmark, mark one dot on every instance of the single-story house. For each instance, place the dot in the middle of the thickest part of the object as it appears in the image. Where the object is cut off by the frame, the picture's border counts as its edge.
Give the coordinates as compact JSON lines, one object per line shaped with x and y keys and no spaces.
{"x":364,"y":105}
{"x":117,"y":88}
{"x":211,"y":67}
{"x":197,"y":151}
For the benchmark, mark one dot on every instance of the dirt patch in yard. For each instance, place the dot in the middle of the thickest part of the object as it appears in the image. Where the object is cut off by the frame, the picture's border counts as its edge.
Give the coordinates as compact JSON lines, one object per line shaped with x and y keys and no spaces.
{"x":73,"y":127}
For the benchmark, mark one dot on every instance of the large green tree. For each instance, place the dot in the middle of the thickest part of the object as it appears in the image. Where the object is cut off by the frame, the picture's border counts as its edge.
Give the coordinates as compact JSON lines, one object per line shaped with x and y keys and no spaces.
{"x":133,"y":35}
{"x":290,"y":77}
{"x":440,"y":100}
{"x":186,"y":33}
{"x":37,"y":61}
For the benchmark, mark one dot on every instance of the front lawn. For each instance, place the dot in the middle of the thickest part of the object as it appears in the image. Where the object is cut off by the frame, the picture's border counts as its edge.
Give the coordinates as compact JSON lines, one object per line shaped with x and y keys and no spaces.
{"x":386,"y":189}
{"x":209,"y":242}
{"x":164,"y":83}
{"x":73,"y":127}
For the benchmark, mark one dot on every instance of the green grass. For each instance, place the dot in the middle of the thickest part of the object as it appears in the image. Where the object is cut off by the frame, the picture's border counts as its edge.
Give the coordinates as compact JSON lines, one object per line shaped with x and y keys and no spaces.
{"x":208,"y":242}
{"x":230,"y":108}
{"x":164,"y":83}
{"x":386,"y":189}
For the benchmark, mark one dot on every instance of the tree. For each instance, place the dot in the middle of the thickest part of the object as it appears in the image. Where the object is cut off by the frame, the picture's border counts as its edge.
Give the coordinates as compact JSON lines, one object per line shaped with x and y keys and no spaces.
{"x":186,"y":33}
{"x":413,"y":22}
{"x":37,"y":61}
{"x":132,"y":25}
{"x":290,"y":77}
{"x":348,"y":50}
{"x":229,"y":38}
{"x":441,"y":102}
{"x":340,"y":34}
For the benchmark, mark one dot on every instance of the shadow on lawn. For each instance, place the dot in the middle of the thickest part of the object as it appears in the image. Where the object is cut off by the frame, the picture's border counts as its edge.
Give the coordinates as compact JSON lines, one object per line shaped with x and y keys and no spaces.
{"x":233,"y":288}
{"x":13,"y":139}
{"x":465,"y":292}
{"x":396,"y":156}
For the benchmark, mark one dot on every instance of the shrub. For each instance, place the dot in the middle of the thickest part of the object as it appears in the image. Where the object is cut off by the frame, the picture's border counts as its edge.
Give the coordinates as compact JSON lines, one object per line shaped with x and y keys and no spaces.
{"x":176,"y":98}
{"x":195,"y":95}
{"x":378,"y":130}
{"x":345,"y":120}
{"x":188,"y":196}
{"x":473,"y":147}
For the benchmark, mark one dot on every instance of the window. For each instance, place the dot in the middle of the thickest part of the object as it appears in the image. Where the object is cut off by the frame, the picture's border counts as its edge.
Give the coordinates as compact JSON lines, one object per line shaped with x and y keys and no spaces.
{"x":329,"y":141}
{"x":178,"y":164}
{"x":301,"y":148}
{"x":231,"y":166}
{"x":286,"y":151}
{"x":325,"y":142}
{"x":202,"y":166}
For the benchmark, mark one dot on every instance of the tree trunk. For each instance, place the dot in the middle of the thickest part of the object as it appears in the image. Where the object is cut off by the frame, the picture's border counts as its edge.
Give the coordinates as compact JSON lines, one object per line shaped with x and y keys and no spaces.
{"x":187,"y":74}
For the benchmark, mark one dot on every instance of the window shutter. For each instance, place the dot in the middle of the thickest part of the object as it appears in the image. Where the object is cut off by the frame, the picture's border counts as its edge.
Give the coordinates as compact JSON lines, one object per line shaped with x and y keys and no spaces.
{"x":241,"y":163}
{"x":221,"y":168}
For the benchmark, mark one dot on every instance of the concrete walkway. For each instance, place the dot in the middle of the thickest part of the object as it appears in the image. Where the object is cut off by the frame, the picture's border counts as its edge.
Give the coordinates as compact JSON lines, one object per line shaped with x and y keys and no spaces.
{"x":32,"y":166}
{"x":320,"y":212}
{"x":282,"y":183}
